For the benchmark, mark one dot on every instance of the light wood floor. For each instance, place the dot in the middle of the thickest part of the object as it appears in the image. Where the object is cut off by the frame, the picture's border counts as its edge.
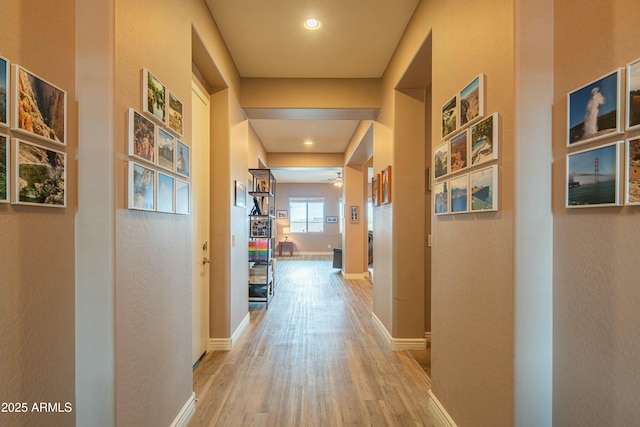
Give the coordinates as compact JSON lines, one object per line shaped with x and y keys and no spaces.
{"x":312,"y":359}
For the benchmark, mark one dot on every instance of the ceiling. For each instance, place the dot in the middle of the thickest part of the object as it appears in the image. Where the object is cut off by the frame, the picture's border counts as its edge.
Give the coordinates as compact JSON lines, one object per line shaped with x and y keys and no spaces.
{"x":267,"y":39}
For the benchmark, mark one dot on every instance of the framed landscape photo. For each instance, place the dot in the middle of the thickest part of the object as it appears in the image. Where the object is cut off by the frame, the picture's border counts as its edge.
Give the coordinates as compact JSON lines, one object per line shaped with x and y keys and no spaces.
{"x":165,"y":186}
{"x":142,"y":180}
{"x":40,"y":175}
{"x":441,"y":160}
{"x":459,"y":150}
{"x":354,"y":216}
{"x":175,"y":115}
{"x":39,"y":108}
{"x":4,"y":92}
{"x":472,"y":101}
{"x":142,"y":137}
{"x":484,"y":140}
{"x":282,"y":214}
{"x":632,"y":187}
{"x":375,"y":190}
{"x":593,"y":110}
{"x":240,"y":195}
{"x":183,"y":159}
{"x":183,"y":197}
{"x":332,"y":220}
{"x":483,"y":184}
{"x":633,"y":95}
{"x":385,"y":186}
{"x":4,"y":168}
{"x":441,"y":197}
{"x":166,"y":148}
{"x":592,"y":176}
{"x":450,"y":117}
{"x":154,"y":97}
{"x":459,"y":193}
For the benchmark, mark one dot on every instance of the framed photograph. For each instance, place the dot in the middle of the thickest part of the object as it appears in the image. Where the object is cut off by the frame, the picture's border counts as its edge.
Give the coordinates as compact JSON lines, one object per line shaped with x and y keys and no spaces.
{"x":441,"y":160}
{"x":175,"y":115}
{"x":472,"y":101}
{"x":632,"y":188}
{"x":459,"y":191}
{"x":4,"y":168}
{"x":39,"y":108}
{"x":592,"y":176}
{"x":458,"y":147}
{"x":450,"y":117}
{"x":282,"y":214}
{"x":166,"y":148}
{"x":40,"y":175}
{"x":484,"y":140}
{"x":385,"y":185}
{"x":183,"y":159}
{"x":154,"y":96}
{"x":441,"y":197}
{"x":633,"y":95}
{"x":332,"y":220}
{"x":166,"y":192}
{"x":183,"y":197}
{"x":4,"y":92}
{"x":142,"y":137}
{"x":375,"y":190}
{"x":593,"y":111}
{"x":142,"y":180}
{"x":354,"y":216}
{"x":241,"y":195}
{"x":484,"y":189}
{"x":259,"y":227}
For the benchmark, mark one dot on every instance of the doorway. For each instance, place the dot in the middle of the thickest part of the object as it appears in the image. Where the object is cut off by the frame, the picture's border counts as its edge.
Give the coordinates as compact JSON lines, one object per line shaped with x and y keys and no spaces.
{"x":200,"y":104}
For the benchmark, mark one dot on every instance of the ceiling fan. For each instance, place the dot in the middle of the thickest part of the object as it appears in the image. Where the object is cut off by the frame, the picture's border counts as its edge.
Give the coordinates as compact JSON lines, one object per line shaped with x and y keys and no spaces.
{"x":337,"y":182}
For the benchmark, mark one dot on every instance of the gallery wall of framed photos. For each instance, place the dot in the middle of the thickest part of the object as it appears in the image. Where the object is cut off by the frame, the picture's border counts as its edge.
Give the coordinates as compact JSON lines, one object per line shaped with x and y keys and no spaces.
{"x":33,"y":139}
{"x":603,"y":120}
{"x":159,"y":170}
{"x":465,"y":172}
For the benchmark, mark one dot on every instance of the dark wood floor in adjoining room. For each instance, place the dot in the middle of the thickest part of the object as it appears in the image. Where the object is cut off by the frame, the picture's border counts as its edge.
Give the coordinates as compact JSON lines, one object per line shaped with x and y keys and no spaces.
{"x":312,"y":359}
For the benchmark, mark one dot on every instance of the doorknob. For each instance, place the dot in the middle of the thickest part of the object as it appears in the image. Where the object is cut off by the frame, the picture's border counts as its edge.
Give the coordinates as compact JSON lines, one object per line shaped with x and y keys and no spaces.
{"x":206,"y":261}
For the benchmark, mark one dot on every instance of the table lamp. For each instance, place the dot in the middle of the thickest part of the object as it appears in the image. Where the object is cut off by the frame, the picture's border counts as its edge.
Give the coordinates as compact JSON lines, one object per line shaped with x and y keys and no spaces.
{"x":286,"y":231}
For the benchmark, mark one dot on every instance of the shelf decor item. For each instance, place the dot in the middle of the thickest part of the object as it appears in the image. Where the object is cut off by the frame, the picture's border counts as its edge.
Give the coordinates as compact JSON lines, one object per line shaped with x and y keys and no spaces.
{"x":40,"y":175}
{"x":39,"y":108}
{"x":592,"y":177}
{"x":142,"y":181}
{"x":4,"y":92}
{"x":593,"y":110}
{"x":154,"y":97}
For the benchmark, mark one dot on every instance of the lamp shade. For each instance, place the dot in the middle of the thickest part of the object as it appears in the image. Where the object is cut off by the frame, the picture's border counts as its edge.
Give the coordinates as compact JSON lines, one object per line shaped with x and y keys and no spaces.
{"x":286,"y":230}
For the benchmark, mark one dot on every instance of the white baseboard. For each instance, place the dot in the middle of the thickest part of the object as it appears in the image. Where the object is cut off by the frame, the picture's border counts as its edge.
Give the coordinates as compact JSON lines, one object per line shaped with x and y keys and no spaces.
{"x":439,"y":415}
{"x":226,"y":344}
{"x":308,"y":253}
{"x":398,"y":344}
{"x":185,"y":414}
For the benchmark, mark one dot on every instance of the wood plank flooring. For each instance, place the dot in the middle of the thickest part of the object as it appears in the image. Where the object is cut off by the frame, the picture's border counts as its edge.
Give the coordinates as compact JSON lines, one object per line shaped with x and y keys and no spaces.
{"x":312,"y":359}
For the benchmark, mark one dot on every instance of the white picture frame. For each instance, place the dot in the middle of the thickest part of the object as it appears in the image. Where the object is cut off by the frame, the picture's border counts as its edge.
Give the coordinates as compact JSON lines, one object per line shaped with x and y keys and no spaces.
{"x":471,"y":101}
{"x":154,"y":97}
{"x":459,"y":194}
{"x":165,"y":192}
{"x":633,"y":96}
{"x":5,"y":168}
{"x":141,"y":185}
{"x":40,"y":175}
{"x":483,"y":189}
{"x":632,"y":162}
{"x":484,"y":140}
{"x":183,"y":197}
{"x":5,"y":92}
{"x":597,"y":189}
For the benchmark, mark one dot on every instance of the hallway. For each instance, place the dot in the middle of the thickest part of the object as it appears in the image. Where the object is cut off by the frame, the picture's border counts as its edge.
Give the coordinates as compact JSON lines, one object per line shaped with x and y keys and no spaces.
{"x":312,"y":359}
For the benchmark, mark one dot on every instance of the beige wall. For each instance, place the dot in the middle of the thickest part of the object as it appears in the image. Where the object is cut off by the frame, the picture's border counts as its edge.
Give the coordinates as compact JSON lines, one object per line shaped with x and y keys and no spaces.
{"x":37,"y":251}
{"x":595,"y":257}
{"x":472,"y":262}
{"x":310,"y":242}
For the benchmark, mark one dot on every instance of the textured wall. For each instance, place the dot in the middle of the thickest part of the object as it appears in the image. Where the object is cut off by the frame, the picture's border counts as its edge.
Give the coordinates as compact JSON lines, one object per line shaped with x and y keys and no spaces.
{"x":37,"y":282}
{"x":596,"y":269}
{"x":472,"y":254}
{"x":153,"y":250}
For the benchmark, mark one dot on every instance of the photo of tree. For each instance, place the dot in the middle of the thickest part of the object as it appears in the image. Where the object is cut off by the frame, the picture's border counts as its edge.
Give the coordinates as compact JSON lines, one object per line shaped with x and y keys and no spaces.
{"x":40,"y":175}
{"x":449,"y":117}
{"x":441,"y":160}
{"x":154,"y":97}
{"x":175,"y":114}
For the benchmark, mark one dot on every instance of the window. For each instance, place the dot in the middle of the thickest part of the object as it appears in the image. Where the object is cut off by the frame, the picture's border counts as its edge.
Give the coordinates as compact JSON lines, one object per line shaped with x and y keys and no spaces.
{"x":306,"y":215}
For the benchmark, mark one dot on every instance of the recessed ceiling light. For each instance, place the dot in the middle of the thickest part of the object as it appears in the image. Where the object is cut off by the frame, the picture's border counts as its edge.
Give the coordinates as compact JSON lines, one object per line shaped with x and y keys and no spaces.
{"x":312,"y":24}
{"x":308,"y":143}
